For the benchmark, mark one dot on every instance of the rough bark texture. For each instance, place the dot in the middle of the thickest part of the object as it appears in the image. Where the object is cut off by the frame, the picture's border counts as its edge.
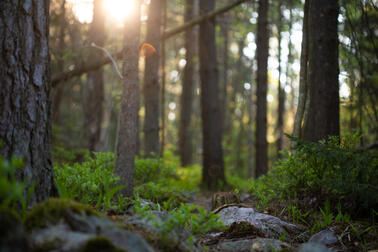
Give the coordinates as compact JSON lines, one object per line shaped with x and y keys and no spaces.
{"x":95,"y":85}
{"x":303,"y":81}
{"x":213,"y":167}
{"x":323,"y":116}
{"x":262,"y":83}
{"x":185,"y":138}
{"x":127,"y":135}
{"x":25,"y":117}
{"x":151,"y":80}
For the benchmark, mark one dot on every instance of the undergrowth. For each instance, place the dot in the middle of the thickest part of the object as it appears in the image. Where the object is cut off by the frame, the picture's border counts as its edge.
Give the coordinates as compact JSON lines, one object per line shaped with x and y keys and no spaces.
{"x":192,"y":218}
{"x":328,"y":170}
{"x":94,"y":182}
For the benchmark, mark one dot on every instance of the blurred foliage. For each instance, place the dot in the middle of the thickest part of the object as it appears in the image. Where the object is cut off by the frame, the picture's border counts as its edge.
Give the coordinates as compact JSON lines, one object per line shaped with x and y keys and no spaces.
{"x":333,"y":170}
{"x":14,"y":195}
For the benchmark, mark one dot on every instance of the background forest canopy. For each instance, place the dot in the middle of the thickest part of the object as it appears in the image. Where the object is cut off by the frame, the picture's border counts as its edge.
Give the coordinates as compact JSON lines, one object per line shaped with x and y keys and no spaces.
{"x":236,"y":48}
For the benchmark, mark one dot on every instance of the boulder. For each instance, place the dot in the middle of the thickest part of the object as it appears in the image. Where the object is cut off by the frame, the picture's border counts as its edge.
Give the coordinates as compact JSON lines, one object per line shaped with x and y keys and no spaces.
{"x":263,"y":225}
{"x":313,"y":247}
{"x":253,"y":245}
{"x":326,"y":237}
{"x":177,"y":239}
{"x":64,"y":225}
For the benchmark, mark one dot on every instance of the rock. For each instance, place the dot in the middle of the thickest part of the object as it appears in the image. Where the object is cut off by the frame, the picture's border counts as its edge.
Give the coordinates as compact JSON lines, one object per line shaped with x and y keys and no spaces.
{"x":12,"y":234}
{"x":326,"y":237}
{"x":254,"y":245}
{"x":265,"y":225}
{"x":313,"y":247}
{"x":175,"y":240}
{"x":64,"y":225}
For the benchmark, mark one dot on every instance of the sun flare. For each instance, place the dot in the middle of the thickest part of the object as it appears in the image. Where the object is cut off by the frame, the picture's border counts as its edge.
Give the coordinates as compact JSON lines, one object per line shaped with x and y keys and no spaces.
{"x":119,"y":10}
{"x":116,"y":10}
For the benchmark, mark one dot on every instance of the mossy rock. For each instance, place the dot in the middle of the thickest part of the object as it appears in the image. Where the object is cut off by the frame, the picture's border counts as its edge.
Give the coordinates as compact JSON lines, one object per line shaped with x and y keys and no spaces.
{"x":52,"y":210}
{"x":242,"y":229}
{"x":100,"y":244}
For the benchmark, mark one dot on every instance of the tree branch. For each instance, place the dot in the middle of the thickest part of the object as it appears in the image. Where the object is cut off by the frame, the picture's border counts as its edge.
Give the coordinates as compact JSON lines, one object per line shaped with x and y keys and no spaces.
{"x":77,"y":71}
{"x":169,"y":33}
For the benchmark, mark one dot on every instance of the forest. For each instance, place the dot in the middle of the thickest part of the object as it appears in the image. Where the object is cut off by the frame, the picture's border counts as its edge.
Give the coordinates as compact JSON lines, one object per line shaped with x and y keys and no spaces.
{"x":188,"y":125}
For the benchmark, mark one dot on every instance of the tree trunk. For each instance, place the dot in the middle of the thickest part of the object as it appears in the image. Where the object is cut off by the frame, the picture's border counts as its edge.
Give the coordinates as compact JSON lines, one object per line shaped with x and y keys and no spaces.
{"x":151,"y":80}
{"x":323,"y":116}
{"x":236,"y":85}
{"x":59,"y":91}
{"x":185,"y":138}
{"x":262,"y":83}
{"x":25,"y":116}
{"x":213,"y":167}
{"x":163,"y":79}
{"x":95,"y":86}
{"x":127,"y":136}
{"x":281,"y":94}
{"x":250,"y":159}
{"x":225,"y":34}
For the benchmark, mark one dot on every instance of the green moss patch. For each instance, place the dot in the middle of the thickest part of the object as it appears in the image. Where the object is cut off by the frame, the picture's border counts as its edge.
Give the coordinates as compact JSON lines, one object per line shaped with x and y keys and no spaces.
{"x":53,"y":210}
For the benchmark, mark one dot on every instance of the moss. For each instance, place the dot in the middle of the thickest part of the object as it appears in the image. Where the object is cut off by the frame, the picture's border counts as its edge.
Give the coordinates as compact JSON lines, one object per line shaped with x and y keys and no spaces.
{"x":100,"y":244}
{"x":52,"y":210}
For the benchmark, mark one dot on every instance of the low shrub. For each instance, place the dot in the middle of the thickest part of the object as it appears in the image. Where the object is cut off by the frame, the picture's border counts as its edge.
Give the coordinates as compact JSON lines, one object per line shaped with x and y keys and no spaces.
{"x":331,"y":169}
{"x":92,"y":182}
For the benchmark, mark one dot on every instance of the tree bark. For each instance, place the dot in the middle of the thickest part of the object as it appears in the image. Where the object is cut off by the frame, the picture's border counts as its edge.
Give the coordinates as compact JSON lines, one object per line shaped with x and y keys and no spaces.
{"x":94,"y":101}
{"x":59,"y":91}
{"x":250,"y":164}
{"x":323,"y":116}
{"x":281,"y":94}
{"x":127,"y":135}
{"x":25,"y":115}
{"x":213,"y":167}
{"x":303,"y":80}
{"x":163,"y":79}
{"x":151,"y":80}
{"x":185,"y":138}
{"x":262,"y":83}
{"x":225,"y":34}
